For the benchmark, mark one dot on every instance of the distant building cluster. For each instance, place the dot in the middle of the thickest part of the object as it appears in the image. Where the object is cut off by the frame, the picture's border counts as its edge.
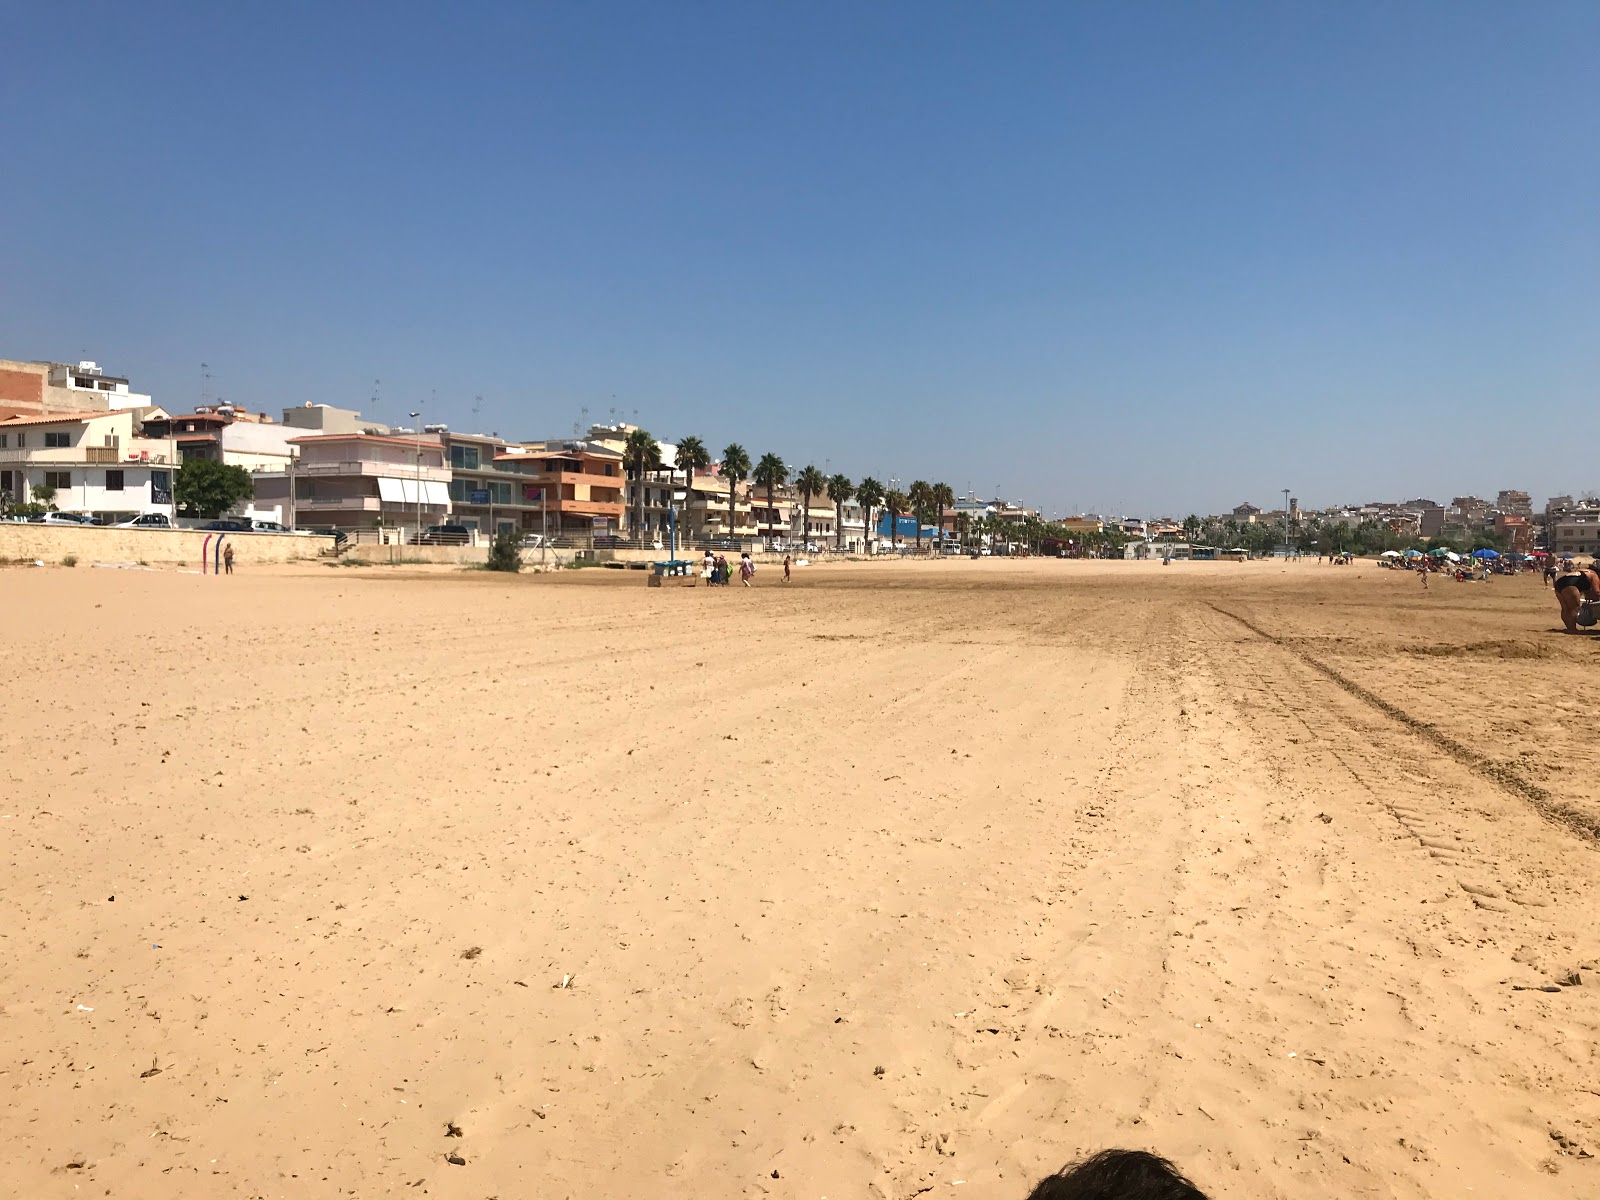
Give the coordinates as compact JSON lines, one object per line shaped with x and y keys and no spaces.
{"x":83,"y":441}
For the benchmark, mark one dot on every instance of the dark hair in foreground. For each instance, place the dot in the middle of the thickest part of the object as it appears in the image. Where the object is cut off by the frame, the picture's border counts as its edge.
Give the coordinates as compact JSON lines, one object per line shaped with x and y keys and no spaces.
{"x":1118,"y":1175}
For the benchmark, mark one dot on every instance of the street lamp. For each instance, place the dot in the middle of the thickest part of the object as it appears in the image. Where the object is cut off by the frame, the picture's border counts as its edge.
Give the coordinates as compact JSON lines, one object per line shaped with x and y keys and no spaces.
{"x":417,"y":429}
{"x":1285,"y":518}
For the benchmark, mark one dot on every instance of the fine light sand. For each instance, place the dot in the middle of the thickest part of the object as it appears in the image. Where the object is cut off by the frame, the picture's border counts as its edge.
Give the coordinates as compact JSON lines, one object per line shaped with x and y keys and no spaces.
{"x":905,"y":879}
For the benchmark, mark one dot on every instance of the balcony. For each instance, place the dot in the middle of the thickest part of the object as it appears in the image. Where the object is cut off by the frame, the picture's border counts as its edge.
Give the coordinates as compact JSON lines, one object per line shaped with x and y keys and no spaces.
{"x":337,"y":503}
{"x":110,"y":456}
{"x":390,"y":470}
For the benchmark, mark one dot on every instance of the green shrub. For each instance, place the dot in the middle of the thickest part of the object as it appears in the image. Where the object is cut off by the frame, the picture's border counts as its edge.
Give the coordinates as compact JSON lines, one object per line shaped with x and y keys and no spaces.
{"x":70,"y":560}
{"x":504,"y":554}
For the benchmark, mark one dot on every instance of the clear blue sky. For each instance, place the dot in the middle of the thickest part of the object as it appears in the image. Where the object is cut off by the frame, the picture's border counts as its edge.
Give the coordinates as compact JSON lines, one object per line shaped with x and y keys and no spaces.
{"x":1143,"y":257}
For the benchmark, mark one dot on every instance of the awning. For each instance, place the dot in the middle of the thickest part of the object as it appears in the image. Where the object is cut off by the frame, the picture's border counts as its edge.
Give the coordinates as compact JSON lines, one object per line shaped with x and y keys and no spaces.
{"x":404,"y":491}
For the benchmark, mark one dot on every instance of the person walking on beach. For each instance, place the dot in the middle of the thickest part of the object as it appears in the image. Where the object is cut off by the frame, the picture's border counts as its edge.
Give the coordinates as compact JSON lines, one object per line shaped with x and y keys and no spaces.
{"x":786,"y":568}
{"x":227,"y":558}
{"x":710,"y":564}
{"x":1422,"y":570}
{"x":746,"y":569}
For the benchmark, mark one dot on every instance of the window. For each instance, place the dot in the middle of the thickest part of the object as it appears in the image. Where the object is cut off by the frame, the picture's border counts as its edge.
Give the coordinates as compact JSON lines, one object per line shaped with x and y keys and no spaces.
{"x":160,"y":487}
{"x":22,"y":440}
{"x":464,"y":458}
{"x":58,"y":479}
{"x":113,"y":481}
{"x":458,"y":490}
{"x":500,"y":492}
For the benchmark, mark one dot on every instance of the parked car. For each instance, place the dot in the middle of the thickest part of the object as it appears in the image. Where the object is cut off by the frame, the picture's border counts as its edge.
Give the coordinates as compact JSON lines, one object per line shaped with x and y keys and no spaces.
{"x":148,"y":521}
{"x":266,"y":526}
{"x":227,"y":525}
{"x":532,"y":541}
{"x":61,"y":518}
{"x":447,"y":535}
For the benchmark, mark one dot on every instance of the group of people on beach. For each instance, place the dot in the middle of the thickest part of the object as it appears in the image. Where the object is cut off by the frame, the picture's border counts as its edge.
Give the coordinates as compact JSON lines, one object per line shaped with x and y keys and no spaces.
{"x":718,"y":573}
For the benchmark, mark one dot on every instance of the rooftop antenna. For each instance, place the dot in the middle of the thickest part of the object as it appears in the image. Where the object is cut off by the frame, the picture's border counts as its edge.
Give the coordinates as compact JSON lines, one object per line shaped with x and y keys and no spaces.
{"x":583,"y":422}
{"x":477,"y":403}
{"x":205,"y":383}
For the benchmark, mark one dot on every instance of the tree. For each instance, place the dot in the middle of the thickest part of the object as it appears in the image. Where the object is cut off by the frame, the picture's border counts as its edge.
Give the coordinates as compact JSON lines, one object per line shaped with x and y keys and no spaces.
{"x":640,"y":453}
{"x":920,"y":497}
{"x":735,"y":469}
{"x":692,"y":456}
{"x":770,"y":473}
{"x":44,"y":496}
{"x":1191,"y":528}
{"x":963,"y":527}
{"x":811,"y":482}
{"x":870,"y":493}
{"x":207,"y":488}
{"x":895,"y":503}
{"x":504,"y":554}
{"x":943,"y":498}
{"x":840,"y":489}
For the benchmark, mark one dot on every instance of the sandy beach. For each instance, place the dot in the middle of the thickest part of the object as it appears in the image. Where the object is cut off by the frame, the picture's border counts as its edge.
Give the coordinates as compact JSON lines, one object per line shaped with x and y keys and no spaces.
{"x":905,"y":879}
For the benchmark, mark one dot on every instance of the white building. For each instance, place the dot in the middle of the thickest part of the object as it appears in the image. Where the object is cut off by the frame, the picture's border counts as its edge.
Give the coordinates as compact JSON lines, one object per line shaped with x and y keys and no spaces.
{"x":92,"y":462}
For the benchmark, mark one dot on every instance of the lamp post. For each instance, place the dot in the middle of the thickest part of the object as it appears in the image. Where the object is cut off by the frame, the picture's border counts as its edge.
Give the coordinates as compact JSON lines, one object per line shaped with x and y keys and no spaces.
{"x":1285,"y":518}
{"x":417,"y":429}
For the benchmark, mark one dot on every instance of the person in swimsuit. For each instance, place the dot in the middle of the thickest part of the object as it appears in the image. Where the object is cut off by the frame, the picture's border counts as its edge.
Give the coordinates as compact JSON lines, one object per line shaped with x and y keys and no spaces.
{"x":1572,"y":589}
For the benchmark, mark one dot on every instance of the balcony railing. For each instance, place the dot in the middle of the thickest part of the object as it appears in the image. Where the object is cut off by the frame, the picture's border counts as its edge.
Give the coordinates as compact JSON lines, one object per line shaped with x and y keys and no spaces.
{"x":391,"y":470}
{"x":110,"y":456}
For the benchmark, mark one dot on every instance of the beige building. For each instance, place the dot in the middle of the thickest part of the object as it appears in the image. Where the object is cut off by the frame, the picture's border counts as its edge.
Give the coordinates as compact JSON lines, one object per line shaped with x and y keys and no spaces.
{"x":353,"y":481}
{"x":1575,"y":531}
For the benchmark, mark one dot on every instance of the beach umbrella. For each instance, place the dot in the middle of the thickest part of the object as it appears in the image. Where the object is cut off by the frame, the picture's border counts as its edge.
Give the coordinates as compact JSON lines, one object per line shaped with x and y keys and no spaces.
{"x":1412,"y":554}
{"x":1485,"y":552}
{"x":1452,"y":556}
{"x":1390,"y":554}
{"x":1441,"y":552}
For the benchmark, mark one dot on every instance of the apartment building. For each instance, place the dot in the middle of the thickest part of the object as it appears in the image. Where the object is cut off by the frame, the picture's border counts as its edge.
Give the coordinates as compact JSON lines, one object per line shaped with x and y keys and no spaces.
{"x":229,"y":434}
{"x":1514,"y":503}
{"x":579,"y":484}
{"x":34,"y":389}
{"x":98,"y":463}
{"x":494,"y":487}
{"x":351,"y":481}
{"x":706,"y":510}
{"x":1575,"y":531}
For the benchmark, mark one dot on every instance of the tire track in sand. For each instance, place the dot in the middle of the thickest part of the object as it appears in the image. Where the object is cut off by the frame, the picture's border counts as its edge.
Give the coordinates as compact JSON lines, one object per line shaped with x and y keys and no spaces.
{"x":1544,"y":803}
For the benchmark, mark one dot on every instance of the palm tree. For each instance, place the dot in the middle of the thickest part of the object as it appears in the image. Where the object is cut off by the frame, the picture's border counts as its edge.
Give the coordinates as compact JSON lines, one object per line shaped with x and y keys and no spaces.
{"x":735,"y":469}
{"x":870,"y":493}
{"x":895,"y":503}
{"x":811,"y":482}
{"x":943,"y":498}
{"x":692,"y":456}
{"x":920,"y":496}
{"x":840,"y":489}
{"x":963,"y":525}
{"x":770,"y":473}
{"x":640,"y":453}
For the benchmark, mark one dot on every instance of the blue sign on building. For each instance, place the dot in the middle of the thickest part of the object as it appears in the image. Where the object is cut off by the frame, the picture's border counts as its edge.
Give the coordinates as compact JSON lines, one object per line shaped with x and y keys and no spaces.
{"x":479,"y":496}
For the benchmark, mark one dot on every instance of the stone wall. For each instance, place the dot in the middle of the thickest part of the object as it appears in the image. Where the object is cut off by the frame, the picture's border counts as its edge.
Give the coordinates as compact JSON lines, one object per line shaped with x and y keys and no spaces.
{"x":93,"y":543}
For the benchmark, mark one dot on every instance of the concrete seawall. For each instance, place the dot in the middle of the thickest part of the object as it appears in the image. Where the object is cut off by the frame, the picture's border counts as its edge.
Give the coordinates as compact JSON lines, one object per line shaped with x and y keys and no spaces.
{"x":94,"y":543}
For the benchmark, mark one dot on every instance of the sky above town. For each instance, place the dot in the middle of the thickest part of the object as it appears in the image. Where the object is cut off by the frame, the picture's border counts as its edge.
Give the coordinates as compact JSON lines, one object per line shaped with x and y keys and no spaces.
{"x":1145,"y":257}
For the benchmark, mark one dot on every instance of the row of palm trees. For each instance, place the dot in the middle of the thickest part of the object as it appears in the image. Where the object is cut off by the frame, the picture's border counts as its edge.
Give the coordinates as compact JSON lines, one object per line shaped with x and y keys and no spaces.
{"x":928,"y":502}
